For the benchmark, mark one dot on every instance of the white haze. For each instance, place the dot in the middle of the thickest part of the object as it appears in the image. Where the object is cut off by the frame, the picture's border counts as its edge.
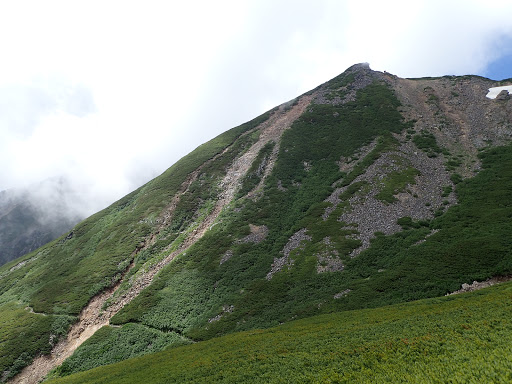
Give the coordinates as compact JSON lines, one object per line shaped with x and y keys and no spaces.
{"x":108,"y":94}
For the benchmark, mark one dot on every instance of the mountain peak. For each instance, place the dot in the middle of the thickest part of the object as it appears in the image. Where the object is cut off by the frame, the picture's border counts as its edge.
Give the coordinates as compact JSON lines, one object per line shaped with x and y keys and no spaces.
{"x":347,"y":197}
{"x":359,"y":66}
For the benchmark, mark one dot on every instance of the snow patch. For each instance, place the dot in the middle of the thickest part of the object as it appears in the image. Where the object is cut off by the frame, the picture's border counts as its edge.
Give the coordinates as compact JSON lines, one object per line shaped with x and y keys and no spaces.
{"x":493,"y":92}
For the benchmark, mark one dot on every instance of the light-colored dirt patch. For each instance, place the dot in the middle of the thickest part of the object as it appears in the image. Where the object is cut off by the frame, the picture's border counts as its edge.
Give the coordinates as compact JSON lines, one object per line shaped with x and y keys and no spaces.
{"x":228,"y":255}
{"x":432,"y":232}
{"x":225,"y":309}
{"x":22,"y":264}
{"x":31,"y":310}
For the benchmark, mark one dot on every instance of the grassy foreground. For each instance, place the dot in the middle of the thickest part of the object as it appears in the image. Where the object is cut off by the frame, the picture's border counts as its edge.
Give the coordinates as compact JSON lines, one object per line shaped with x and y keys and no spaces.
{"x":458,"y":339}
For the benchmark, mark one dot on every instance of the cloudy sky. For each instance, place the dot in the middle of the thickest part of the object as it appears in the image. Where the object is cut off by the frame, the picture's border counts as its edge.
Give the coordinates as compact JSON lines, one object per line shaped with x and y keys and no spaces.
{"x":110,"y":93}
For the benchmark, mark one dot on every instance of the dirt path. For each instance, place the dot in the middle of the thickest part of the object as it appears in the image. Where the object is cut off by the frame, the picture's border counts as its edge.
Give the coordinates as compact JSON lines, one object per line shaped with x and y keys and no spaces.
{"x":93,"y":317}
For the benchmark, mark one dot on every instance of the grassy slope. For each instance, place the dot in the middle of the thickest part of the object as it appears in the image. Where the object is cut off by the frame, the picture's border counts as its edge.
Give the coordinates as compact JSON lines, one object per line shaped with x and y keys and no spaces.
{"x":458,"y":339}
{"x":60,"y":278}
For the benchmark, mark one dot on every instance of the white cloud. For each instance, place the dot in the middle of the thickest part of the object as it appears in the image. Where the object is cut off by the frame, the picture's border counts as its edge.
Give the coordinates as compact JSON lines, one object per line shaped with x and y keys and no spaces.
{"x":112,"y":93}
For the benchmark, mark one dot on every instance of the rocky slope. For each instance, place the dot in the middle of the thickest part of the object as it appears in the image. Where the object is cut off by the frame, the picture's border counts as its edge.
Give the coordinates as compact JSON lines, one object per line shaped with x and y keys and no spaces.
{"x":354,"y":195}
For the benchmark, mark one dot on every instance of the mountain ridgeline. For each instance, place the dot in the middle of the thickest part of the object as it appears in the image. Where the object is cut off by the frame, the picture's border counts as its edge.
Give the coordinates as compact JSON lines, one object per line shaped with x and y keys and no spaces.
{"x":368,"y":191}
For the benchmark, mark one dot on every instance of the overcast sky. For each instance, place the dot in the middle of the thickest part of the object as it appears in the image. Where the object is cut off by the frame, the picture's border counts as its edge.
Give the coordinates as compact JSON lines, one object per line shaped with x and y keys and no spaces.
{"x":111,"y":93}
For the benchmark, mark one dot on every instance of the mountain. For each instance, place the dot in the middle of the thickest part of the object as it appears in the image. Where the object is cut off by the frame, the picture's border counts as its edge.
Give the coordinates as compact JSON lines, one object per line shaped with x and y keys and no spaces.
{"x":324,"y":217}
{"x":33,"y":216}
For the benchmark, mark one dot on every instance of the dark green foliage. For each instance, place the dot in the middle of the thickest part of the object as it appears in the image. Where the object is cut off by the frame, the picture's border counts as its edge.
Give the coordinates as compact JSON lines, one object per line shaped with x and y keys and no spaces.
{"x":456,"y":178}
{"x":324,"y":133}
{"x":395,"y":182}
{"x":24,"y":334}
{"x":447,"y":190}
{"x":408,"y":223}
{"x":452,"y":339}
{"x":426,"y":141}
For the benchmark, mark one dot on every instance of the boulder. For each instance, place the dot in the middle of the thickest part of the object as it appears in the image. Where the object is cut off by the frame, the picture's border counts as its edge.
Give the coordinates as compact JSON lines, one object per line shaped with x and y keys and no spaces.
{"x":503,"y":95}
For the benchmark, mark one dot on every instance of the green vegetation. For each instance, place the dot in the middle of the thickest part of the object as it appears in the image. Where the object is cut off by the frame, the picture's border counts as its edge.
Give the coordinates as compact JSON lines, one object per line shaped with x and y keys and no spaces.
{"x":456,"y":178}
{"x":447,"y":190}
{"x":110,"y":345}
{"x":426,"y":141}
{"x":24,"y":334}
{"x":408,"y":223}
{"x":433,"y":99}
{"x":459,"y":339}
{"x":452,"y":162}
{"x":395,"y":182}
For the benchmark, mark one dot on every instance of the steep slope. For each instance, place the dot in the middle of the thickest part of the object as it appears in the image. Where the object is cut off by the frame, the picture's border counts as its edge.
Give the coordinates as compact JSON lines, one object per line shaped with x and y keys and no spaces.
{"x":360,"y":193}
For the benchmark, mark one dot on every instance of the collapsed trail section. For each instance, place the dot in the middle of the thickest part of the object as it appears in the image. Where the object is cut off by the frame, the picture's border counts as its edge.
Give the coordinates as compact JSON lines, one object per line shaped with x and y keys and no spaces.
{"x":95,"y":315}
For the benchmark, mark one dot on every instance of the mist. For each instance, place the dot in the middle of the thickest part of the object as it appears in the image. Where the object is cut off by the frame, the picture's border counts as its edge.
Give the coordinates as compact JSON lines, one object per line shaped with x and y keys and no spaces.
{"x":101,"y":98}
